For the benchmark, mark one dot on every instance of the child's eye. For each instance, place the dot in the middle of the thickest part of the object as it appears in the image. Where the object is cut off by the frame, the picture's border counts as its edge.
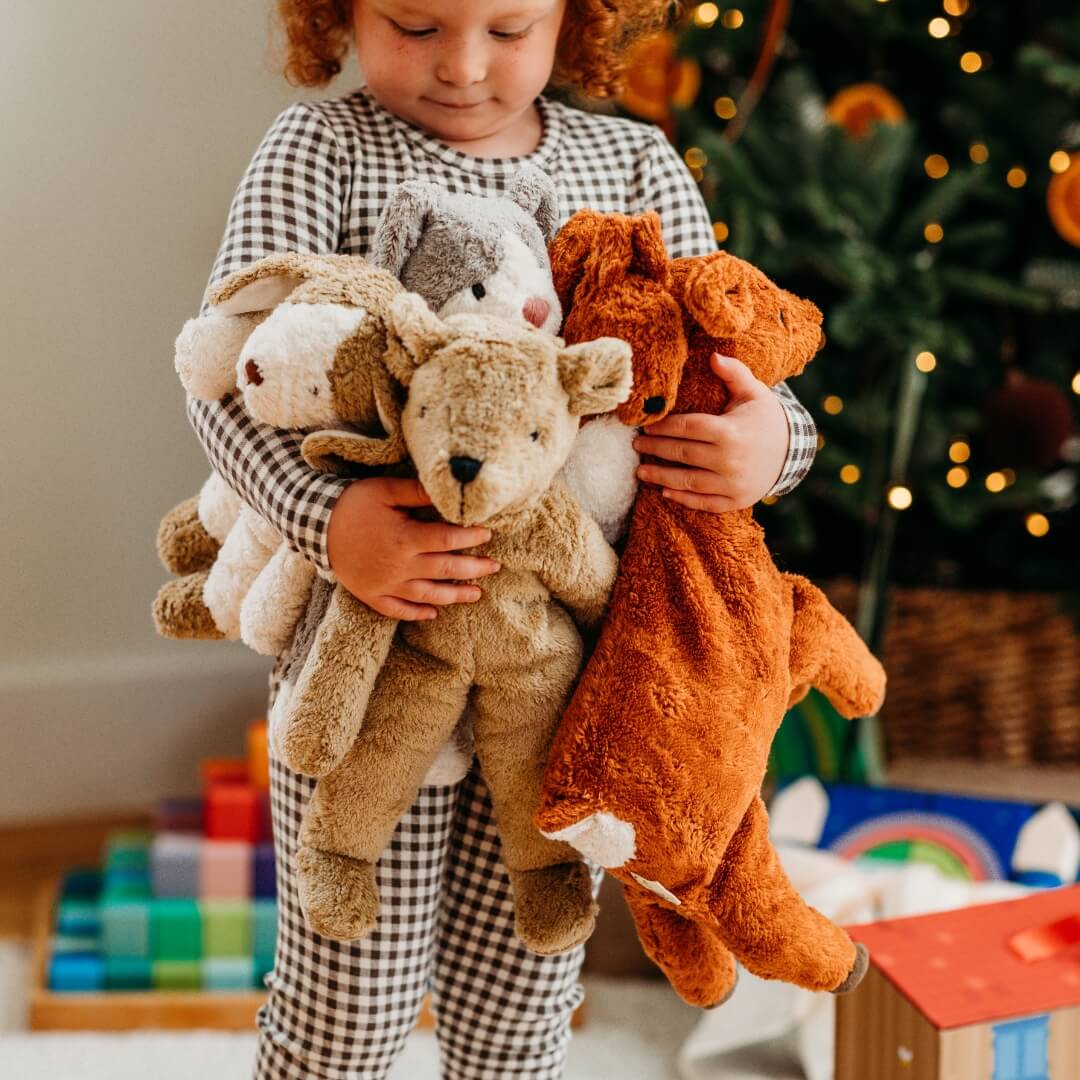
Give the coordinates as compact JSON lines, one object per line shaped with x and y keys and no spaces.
{"x":510,"y":35}
{"x":408,"y":32}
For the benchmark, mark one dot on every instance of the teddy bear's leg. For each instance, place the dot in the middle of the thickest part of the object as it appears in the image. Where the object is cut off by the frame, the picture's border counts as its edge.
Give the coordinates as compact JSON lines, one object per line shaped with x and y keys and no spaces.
{"x":181,"y":613}
{"x":276,"y":600}
{"x":183,"y":543}
{"x":514,"y":718}
{"x":826,"y":652}
{"x":696,"y":962}
{"x":247,"y":549}
{"x":767,"y":924}
{"x":330,"y":698}
{"x":353,"y":811}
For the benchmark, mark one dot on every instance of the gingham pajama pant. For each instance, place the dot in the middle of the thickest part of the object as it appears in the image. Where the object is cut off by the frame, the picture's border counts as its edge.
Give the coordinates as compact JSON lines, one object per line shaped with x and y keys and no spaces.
{"x":343,"y":1011}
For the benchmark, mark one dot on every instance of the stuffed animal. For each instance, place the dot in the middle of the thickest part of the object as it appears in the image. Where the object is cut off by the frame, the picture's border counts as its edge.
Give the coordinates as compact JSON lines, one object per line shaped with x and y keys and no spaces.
{"x":491,"y":415}
{"x":656,"y":768}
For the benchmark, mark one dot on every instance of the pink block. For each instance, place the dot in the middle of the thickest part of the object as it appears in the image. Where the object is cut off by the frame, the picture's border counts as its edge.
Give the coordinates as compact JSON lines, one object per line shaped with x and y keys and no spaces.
{"x":225,"y":870}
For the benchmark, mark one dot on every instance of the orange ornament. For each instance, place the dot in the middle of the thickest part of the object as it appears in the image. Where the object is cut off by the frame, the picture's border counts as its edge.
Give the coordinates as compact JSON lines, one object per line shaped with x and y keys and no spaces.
{"x":1063,"y":201}
{"x":656,"y":78}
{"x":856,"y":107}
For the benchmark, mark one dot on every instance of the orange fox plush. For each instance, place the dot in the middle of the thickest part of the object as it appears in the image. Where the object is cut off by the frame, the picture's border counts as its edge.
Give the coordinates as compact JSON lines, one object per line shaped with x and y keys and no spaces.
{"x":656,"y":768}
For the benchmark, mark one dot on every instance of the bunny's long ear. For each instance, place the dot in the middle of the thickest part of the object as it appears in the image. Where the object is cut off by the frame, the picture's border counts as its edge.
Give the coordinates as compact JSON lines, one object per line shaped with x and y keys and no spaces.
{"x":534,"y":191}
{"x":262,"y":285}
{"x":570,"y":252}
{"x":715,"y":290}
{"x":596,"y":375}
{"x":402,"y":224}
{"x":413,"y":333}
{"x":650,"y":257}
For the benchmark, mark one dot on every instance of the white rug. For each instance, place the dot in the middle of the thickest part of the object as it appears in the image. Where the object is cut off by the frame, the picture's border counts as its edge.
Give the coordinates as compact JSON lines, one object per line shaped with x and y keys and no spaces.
{"x":633,"y":1032}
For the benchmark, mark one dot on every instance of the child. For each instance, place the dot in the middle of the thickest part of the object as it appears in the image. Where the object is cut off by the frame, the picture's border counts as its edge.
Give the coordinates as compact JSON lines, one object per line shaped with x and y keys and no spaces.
{"x":452,"y":96}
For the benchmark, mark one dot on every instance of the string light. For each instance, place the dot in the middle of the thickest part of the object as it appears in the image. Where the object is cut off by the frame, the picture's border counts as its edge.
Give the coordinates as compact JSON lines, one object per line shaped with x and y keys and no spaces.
{"x":1017,"y":177}
{"x":956,"y":7}
{"x":733,"y":19}
{"x":695,"y":157}
{"x":1059,"y":161}
{"x":820,"y":441}
{"x":1076,"y":383}
{"x":720,"y":231}
{"x":771,"y":500}
{"x":1010,"y":477}
{"x":939,"y":28}
{"x":959,"y":452}
{"x":1037,"y":524}
{"x":833,"y":405}
{"x":725,"y":108}
{"x":899,"y":497}
{"x":850,"y":474}
{"x":926,"y":362}
{"x":937,"y":166}
{"x":996,"y":482}
{"x":957,"y":476}
{"x":934,"y":233}
{"x":971,"y":62}
{"x":705,"y":15}
{"x":979,"y":153}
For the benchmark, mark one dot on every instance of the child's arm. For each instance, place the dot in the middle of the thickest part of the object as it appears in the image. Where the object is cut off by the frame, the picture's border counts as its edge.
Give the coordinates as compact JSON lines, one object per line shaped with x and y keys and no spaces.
{"x":292,"y":198}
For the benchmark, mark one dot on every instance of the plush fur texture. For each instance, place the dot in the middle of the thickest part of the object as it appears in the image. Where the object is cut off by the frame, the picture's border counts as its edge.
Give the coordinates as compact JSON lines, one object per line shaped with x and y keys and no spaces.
{"x":656,"y":768}
{"x":491,"y":414}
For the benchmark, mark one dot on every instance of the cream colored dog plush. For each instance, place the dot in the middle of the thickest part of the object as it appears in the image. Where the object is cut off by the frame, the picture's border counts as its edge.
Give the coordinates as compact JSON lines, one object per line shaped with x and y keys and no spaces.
{"x":491,"y":416}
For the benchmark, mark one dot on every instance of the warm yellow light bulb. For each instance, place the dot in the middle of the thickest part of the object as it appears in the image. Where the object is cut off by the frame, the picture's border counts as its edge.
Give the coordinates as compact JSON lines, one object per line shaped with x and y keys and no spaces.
{"x":833,"y":405}
{"x":733,"y":19}
{"x":725,"y":108}
{"x":934,"y":233}
{"x":939,"y":27}
{"x":771,"y":500}
{"x":1017,"y":177}
{"x":820,"y":441}
{"x":1037,"y":524}
{"x":706,"y":14}
{"x":926,"y":362}
{"x":695,"y":157}
{"x":955,"y":7}
{"x":996,"y":482}
{"x":1060,"y":161}
{"x":720,"y":231}
{"x":979,"y":153}
{"x":899,"y":497}
{"x":1010,"y":477}
{"x":1076,"y":383}
{"x":959,"y":452}
{"x":971,"y":62}
{"x":850,"y":474}
{"x":936,"y":166}
{"x":957,"y":476}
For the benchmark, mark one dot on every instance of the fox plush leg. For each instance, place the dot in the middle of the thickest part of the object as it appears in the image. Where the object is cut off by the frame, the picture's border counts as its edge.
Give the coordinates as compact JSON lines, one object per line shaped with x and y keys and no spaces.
{"x":696,"y":962}
{"x":181,"y":613}
{"x":353,"y":811}
{"x":826,"y":652}
{"x":768,"y":926}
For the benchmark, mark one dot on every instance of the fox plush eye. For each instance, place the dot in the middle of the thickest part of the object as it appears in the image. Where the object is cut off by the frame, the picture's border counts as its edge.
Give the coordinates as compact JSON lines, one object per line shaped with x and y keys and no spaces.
{"x":314,"y":391}
{"x":479,"y":291}
{"x":534,"y":436}
{"x":423,"y":411}
{"x":783,"y":321}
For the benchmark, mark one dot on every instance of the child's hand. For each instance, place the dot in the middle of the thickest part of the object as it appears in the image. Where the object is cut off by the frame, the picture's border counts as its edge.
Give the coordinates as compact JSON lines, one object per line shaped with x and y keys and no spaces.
{"x":725,"y":462}
{"x":394,"y":564}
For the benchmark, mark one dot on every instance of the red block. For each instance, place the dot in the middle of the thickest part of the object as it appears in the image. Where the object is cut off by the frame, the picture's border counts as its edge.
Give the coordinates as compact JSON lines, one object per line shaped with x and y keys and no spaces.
{"x":233,"y":812}
{"x":213,"y":770}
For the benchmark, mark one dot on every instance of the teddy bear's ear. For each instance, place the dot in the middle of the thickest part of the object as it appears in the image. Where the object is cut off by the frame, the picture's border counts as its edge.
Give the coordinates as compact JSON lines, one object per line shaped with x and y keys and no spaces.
{"x":596,"y":375}
{"x":650,"y":257}
{"x":261,"y":286}
{"x":402,"y":224}
{"x":716,"y":291}
{"x":413,"y":333}
{"x":533,"y":190}
{"x":570,"y":252}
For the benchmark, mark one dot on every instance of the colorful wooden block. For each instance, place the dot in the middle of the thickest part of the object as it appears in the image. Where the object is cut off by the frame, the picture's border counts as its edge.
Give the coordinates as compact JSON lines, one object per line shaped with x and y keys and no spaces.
{"x":226,"y":870}
{"x":179,"y":815}
{"x":176,"y":974}
{"x":263,"y":928}
{"x":78,"y":918}
{"x":125,"y":928}
{"x":68,"y":943}
{"x":175,"y":861}
{"x":77,"y":972}
{"x":81,"y":883}
{"x":265,"y":872}
{"x":218,"y":770}
{"x":127,"y":885}
{"x":128,"y":973}
{"x":226,"y":928}
{"x":228,"y":973}
{"x":263,"y":965}
{"x":175,"y":930}
{"x":232,"y":812}
{"x":258,"y":755}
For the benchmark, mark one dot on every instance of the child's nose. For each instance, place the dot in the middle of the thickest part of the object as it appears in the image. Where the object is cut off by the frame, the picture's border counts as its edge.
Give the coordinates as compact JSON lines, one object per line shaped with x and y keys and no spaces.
{"x":462,"y":65}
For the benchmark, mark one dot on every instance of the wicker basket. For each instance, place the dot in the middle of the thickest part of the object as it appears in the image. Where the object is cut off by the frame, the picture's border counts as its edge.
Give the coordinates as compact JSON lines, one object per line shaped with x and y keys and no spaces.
{"x":993,"y":676}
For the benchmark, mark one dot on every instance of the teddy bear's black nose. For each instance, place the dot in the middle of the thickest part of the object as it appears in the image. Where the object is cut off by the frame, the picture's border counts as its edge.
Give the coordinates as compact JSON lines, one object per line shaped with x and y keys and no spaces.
{"x":464,"y":469}
{"x":653,"y":405}
{"x":254,"y":375}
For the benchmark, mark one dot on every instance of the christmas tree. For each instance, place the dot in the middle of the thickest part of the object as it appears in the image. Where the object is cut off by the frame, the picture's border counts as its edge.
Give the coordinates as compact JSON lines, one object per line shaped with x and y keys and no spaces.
{"x":914,"y":168}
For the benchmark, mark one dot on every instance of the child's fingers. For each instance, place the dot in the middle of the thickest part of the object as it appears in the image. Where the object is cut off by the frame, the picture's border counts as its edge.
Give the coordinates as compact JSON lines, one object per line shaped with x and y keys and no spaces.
{"x":421,"y":591}
{"x":684,"y":451}
{"x":394,"y":608}
{"x":701,"y":427}
{"x":701,"y":481}
{"x":432,"y":536}
{"x":453,"y":567}
{"x":400,"y":491}
{"x":715,"y":504}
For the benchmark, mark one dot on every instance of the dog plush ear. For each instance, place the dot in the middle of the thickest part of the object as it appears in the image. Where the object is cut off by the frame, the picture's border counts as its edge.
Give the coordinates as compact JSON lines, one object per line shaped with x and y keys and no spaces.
{"x":413,"y":333}
{"x":570,"y":252}
{"x":402,"y":224}
{"x":649,"y":256}
{"x":596,"y":375}
{"x":532,"y":189}
{"x":262,"y":285}
{"x":716,"y":291}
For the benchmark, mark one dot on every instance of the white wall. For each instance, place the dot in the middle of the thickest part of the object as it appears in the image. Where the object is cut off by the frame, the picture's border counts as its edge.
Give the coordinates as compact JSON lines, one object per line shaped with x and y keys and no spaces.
{"x":125,"y":128}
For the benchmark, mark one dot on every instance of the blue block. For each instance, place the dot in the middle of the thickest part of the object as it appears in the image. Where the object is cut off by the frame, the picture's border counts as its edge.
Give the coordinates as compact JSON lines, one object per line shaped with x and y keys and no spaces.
{"x":175,"y":859}
{"x":265,"y":877}
{"x":264,"y":965}
{"x":66,"y":943}
{"x":130,"y":884}
{"x":125,"y":928}
{"x":263,"y":927}
{"x":128,"y":973}
{"x":78,"y":918}
{"x":228,"y":973}
{"x":74,"y":972}
{"x":81,"y":883}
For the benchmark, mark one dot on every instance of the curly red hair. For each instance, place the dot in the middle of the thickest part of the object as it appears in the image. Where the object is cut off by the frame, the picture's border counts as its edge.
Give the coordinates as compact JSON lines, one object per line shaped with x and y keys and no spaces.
{"x":593,"y":41}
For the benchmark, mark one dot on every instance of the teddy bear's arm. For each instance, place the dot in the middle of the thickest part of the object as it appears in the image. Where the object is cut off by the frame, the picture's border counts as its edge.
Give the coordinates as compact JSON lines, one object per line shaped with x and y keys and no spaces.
{"x":578,"y":565}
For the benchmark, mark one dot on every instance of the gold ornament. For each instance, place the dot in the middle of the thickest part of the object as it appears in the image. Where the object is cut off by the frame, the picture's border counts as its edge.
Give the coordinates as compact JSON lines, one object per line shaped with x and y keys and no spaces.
{"x":856,"y":107}
{"x":657,"y":79}
{"x":1063,"y":201}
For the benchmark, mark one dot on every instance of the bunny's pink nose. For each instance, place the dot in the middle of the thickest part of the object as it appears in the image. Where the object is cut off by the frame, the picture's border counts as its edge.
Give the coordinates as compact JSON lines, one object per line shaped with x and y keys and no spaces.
{"x":536,"y":310}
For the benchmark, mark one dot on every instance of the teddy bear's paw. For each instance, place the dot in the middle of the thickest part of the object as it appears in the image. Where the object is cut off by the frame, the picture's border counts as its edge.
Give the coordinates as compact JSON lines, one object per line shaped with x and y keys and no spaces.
{"x":554,"y":910}
{"x":338,"y":895}
{"x":601,"y":837}
{"x":179,"y":611}
{"x":858,"y":970}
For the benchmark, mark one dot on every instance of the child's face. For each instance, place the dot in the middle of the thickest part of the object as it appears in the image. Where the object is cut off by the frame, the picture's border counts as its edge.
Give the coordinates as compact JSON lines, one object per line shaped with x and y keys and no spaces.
{"x":462,"y":70}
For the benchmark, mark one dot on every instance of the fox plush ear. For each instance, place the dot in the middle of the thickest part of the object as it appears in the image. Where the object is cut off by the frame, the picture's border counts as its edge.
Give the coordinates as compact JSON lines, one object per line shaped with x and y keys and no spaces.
{"x":261,"y":286}
{"x":413,"y":333}
{"x":716,"y":291}
{"x":532,"y":189}
{"x":570,"y":252}
{"x":596,"y":375}
{"x":402,"y":224}
{"x":649,"y":256}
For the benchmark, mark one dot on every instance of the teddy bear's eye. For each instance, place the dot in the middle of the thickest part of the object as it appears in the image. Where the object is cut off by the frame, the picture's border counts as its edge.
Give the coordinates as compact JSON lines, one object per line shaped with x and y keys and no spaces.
{"x":534,"y":436}
{"x":479,"y":291}
{"x":315,"y":391}
{"x":783,"y":321}
{"x":423,"y":411}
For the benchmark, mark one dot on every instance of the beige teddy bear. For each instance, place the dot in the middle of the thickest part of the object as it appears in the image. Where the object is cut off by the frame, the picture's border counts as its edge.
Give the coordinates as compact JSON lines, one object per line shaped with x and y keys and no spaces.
{"x":491,"y":416}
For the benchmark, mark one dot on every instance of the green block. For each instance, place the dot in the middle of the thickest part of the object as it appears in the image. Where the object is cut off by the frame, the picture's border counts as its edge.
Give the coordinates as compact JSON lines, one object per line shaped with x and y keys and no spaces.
{"x":227,"y":973}
{"x":226,"y":928}
{"x":78,"y":918}
{"x":176,"y":974}
{"x":128,"y":973}
{"x":264,"y":927}
{"x":175,"y":930}
{"x":128,"y":885}
{"x":125,"y":927}
{"x":72,"y":943}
